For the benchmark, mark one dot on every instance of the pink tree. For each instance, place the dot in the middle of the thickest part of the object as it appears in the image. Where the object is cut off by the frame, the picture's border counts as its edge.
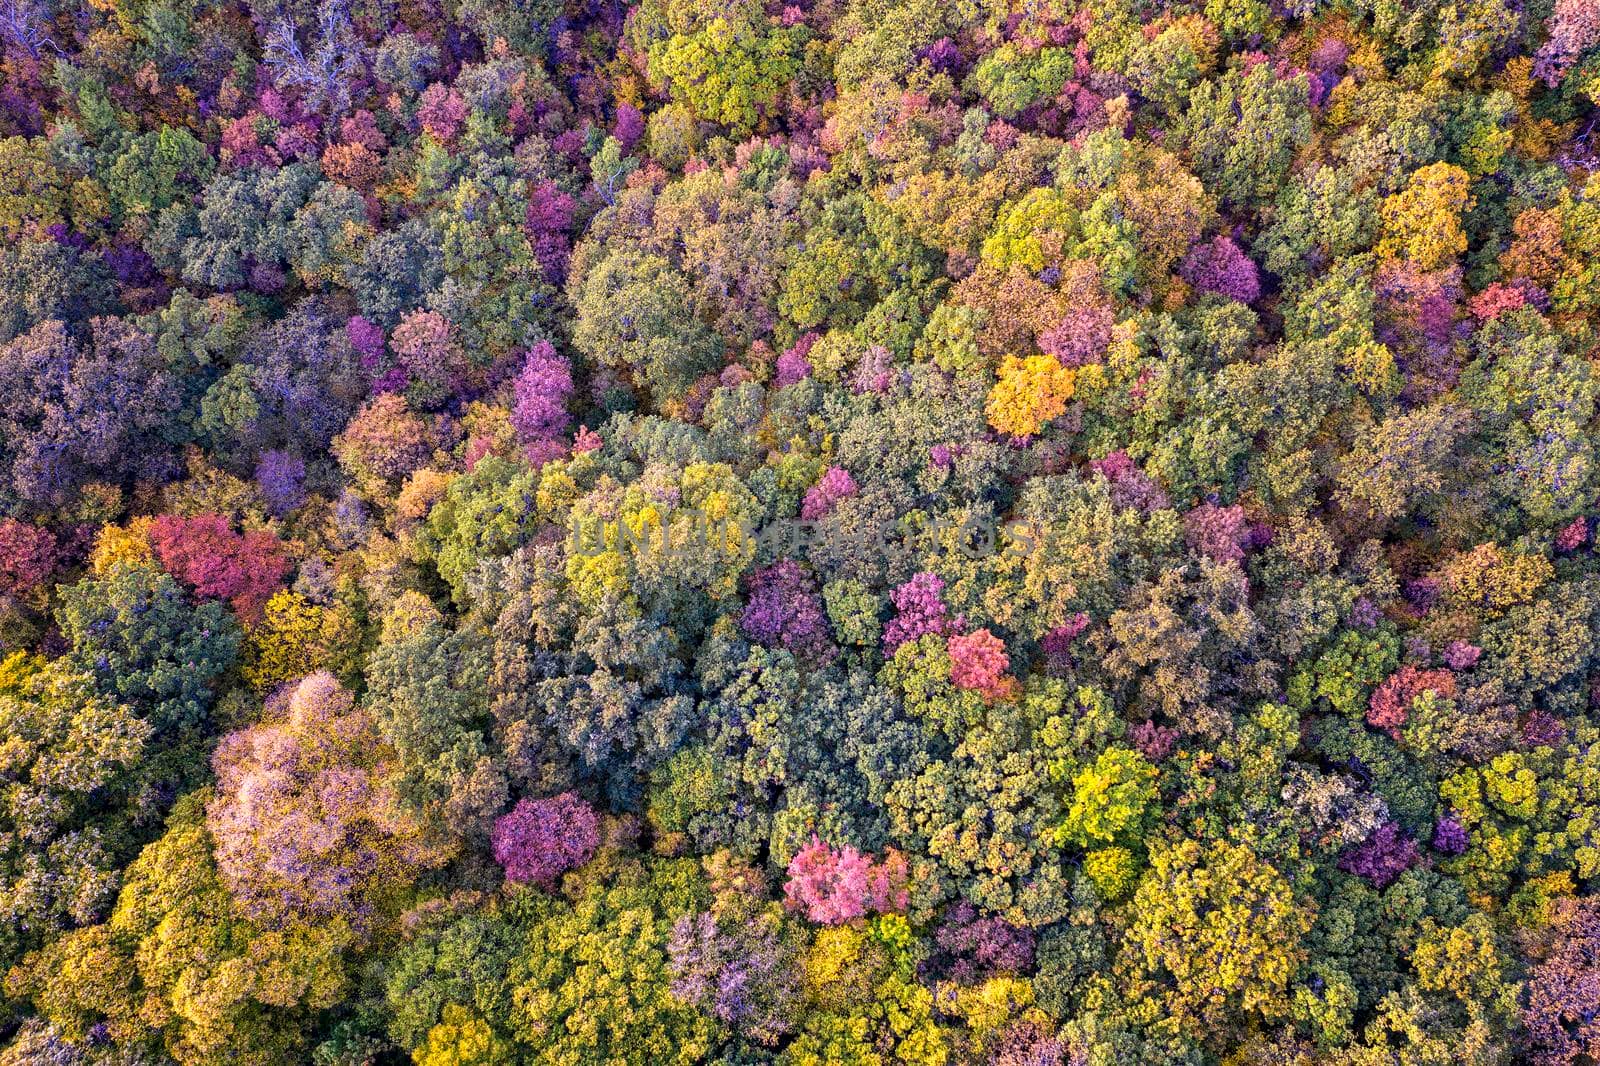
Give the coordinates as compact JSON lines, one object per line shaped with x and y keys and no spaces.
{"x":1220,"y":266}
{"x":834,"y":887}
{"x":442,"y":112}
{"x":1219,"y":533}
{"x":978,"y":662}
{"x":1559,"y":1013}
{"x":1573,"y":28}
{"x":548,"y":220}
{"x":835,"y":484}
{"x":794,"y":364}
{"x":305,"y":819}
{"x":1390,"y":704}
{"x":425,"y":344}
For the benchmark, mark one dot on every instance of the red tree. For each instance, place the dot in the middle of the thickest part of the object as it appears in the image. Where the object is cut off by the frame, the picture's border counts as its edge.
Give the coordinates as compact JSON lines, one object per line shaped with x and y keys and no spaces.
{"x":207,"y":555}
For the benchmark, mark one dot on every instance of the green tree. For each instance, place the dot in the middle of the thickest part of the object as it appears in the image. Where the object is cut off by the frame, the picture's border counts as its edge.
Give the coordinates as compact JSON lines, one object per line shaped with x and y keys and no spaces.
{"x":592,"y":985}
{"x":147,"y":645}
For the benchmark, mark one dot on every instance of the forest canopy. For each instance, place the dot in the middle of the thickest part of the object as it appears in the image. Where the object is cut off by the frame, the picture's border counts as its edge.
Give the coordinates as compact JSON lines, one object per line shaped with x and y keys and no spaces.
{"x":869,"y":532}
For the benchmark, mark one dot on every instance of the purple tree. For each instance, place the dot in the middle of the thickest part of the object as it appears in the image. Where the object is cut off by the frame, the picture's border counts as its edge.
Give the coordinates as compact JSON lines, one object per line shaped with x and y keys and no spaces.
{"x":629,"y":126}
{"x":539,"y":402}
{"x":25,"y":25}
{"x":323,"y":78}
{"x":70,"y":411}
{"x":1562,"y":1011}
{"x":1449,"y":836}
{"x":279,"y":476}
{"x":1220,"y":266}
{"x":785,"y":611}
{"x":919,"y":610}
{"x":539,"y":840}
{"x":1459,"y":655}
{"x":1382,"y":857}
{"x":745,"y":976}
{"x":1130,"y":486}
{"x":367,"y":338}
{"x":973,"y":948}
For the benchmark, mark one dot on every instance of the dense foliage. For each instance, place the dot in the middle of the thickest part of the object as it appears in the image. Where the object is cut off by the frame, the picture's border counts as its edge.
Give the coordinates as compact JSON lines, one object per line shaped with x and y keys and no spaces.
{"x":1015,"y":532}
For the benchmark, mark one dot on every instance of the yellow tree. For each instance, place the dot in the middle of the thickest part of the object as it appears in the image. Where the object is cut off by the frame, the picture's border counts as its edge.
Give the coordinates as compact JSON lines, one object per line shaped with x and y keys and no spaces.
{"x":1422,"y":223}
{"x":1216,"y":930}
{"x":1031,"y":391}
